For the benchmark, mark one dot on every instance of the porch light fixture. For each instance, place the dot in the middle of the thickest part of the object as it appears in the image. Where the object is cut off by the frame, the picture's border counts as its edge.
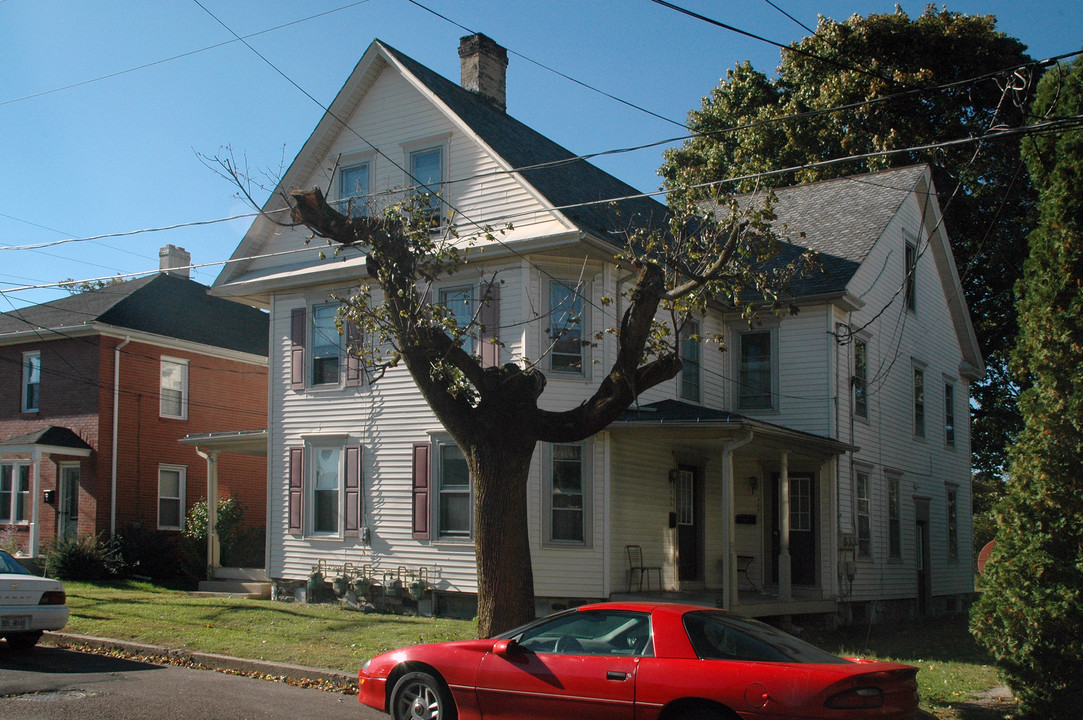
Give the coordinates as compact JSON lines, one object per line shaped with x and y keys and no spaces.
{"x":753,"y":483}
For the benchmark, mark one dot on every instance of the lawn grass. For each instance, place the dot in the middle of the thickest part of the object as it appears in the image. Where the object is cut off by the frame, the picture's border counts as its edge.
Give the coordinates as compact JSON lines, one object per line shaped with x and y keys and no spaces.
{"x":321,"y":636}
{"x":952,"y":666}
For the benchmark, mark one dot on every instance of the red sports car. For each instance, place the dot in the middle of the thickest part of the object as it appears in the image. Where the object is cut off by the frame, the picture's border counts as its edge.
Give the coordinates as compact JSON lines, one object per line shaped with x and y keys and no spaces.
{"x":647,"y":661}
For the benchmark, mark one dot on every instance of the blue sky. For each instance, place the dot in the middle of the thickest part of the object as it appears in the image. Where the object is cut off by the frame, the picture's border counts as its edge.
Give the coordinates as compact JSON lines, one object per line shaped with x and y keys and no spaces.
{"x":90,"y":145}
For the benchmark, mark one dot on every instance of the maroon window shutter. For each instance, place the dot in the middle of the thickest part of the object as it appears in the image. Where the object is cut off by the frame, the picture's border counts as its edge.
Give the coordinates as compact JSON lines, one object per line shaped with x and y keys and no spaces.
{"x":354,"y":339}
{"x":297,"y":348}
{"x":421,"y":491}
{"x":489,"y":317}
{"x":353,"y":491}
{"x":297,"y":489}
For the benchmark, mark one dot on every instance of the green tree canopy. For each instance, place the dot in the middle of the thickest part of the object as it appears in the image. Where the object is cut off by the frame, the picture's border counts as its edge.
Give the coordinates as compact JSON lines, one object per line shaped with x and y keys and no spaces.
{"x":790,"y":121}
{"x":1031,"y":615}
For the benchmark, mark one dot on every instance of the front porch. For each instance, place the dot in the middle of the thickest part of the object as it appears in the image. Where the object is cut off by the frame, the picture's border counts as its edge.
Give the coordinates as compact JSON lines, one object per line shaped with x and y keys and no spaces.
{"x":724,"y":511}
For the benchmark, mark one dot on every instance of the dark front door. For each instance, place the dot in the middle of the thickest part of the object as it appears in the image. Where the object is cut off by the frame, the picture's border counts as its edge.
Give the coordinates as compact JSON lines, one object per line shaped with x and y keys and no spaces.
{"x":69,"y":502}
{"x":803,"y":517}
{"x":689,"y":507}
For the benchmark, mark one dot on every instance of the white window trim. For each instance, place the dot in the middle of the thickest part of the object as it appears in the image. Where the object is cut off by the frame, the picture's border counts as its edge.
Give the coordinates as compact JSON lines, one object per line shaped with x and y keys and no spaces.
{"x":915,"y":368}
{"x":469,"y":341}
{"x":184,"y":364}
{"x":12,"y":503}
{"x":692,"y":327}
{"x":950,"y":382}
{"x":312,"y":446}
{"x":865,"y":342}
{"x":351,"y":161}
{"x":25,"y":385}
{"x":775,"y":403}
{"x":441,"y":142}
{"x":867,"y":473}
{"x":910,"y":277}
{"x":585,"y":324}
{"x":436,"y":473}
{"x":182,"y":488}
{"x":586,"y":459}
{"x":310,"y":362}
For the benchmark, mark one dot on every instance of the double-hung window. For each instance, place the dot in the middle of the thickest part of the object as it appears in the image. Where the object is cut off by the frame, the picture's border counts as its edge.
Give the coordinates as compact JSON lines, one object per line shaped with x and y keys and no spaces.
{"x":566,"y":328}
{"x":861,"y":378}
{"x":459,"y":302}
{"x":949,"y":414}
{"x":171,"y":493}
{"x":31,"y":381}
{"x":910,"y":282}
{"x":919,"y":402}
{"x":14,"y":493}
{"x":354,"y":193}
{"x":173,"y":389}
{"x":326,"y":486}
{"x":863,"y":508}
{"x":427,"y":177}
{"x":454,"y":503}
{"x":568,"y":494}
{"x":690,"y":358}
{"x":756,"y":371}
{"x":953,"y":523}
{"x":894,"y":518}
{"x":326,"y":345}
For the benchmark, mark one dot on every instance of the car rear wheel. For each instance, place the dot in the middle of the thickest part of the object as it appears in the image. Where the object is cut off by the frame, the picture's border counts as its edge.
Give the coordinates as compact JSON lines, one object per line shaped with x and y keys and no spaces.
{"x":23,"y":641}
{"x":420,"y":696}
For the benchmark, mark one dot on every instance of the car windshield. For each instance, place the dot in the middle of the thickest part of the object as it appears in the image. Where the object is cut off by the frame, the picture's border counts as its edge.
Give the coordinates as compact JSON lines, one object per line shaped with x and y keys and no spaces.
{"x":9,"y":565}
{"x":724,"y":636}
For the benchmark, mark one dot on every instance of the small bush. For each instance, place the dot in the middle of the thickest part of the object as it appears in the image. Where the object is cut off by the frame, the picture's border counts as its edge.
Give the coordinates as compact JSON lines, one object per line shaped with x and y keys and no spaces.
{"x":82,"y":558}
{"x":155,"y":554}
{"x":241,"y":546}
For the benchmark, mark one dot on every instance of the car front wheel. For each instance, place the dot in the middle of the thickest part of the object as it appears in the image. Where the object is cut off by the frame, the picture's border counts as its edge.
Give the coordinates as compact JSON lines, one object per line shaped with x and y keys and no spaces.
{"x":23,"y":641}
{"x":420,"y":696}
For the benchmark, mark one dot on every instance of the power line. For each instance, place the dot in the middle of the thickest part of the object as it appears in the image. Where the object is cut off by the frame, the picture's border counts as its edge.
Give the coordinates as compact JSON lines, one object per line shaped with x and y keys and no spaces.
{"x":176,"y":57}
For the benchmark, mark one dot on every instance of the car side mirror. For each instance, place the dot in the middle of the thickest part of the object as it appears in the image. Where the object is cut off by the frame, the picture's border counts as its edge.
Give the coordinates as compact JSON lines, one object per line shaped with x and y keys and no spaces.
{"x":507,"y":647}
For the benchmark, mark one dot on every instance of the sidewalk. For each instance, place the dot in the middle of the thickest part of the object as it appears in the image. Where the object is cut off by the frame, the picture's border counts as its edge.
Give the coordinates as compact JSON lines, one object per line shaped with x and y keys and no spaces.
{"x":296,"y":674}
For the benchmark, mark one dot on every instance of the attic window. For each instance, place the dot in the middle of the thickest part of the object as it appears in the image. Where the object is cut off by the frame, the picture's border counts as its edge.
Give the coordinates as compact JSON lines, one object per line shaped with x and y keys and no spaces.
{"x":354,"y":190}
{"x":427,"y":177}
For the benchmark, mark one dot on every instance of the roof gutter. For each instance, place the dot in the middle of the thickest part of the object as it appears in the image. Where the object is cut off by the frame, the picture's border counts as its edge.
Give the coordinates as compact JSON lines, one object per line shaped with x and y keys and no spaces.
{"x":116,"y":432}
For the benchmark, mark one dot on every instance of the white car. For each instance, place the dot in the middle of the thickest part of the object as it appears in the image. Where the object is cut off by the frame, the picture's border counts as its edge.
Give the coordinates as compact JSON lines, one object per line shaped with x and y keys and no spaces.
{"x":28,"y":604}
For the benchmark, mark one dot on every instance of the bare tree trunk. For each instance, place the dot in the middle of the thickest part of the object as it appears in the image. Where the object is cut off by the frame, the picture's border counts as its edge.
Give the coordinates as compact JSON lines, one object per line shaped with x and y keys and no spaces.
{"x":499,"y":468}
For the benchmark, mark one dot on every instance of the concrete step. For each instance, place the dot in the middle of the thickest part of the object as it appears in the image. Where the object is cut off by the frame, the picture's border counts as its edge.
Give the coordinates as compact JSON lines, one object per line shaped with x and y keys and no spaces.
{"x":243,"y":574}
{"x":234,"y":589}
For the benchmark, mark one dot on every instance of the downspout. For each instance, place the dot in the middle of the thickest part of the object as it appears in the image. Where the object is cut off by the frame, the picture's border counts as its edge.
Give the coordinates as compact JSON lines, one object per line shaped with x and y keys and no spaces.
{"x":729,"y":527}
{"x":214,"y":551}
{"x":116,"y":433}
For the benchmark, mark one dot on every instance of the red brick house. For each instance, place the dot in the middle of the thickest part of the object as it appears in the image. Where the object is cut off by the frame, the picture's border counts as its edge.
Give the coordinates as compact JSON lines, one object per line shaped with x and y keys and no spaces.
{"x":97,"y":390}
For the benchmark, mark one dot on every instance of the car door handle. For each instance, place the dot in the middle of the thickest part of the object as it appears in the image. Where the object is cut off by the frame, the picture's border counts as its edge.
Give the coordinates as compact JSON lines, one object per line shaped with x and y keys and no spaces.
{"x":616,"y":675}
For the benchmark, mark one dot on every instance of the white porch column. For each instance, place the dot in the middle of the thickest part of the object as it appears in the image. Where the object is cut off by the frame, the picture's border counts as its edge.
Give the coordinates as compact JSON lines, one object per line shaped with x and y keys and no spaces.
{"x":35,"y":500}
{"x":729,"y":524}
{"x":784,"y":590}
{"x":214,"y":548}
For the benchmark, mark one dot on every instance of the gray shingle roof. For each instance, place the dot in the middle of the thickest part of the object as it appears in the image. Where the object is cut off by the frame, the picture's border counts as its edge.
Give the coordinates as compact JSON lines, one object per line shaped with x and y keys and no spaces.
{"x":841,"y":219}
{"x":160,"y":304}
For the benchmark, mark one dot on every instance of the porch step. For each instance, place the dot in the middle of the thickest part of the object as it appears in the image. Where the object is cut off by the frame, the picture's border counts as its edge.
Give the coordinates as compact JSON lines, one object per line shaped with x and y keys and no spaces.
{"x":234,"y":589}
{"x":242,"y":574}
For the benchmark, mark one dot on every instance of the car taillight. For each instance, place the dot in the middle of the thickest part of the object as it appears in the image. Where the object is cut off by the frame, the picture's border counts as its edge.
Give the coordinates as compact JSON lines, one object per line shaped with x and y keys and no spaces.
{"x":861,"y":698}
{"x":53,"y":597}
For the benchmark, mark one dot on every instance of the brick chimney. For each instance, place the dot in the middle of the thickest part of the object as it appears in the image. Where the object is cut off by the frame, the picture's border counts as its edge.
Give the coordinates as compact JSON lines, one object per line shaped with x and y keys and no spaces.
{"x":484,"y":68}
{"x":173,"y":260}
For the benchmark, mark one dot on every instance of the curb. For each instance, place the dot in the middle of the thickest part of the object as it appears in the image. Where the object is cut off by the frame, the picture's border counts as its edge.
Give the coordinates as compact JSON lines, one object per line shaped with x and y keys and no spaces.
{"x":294,"y":673}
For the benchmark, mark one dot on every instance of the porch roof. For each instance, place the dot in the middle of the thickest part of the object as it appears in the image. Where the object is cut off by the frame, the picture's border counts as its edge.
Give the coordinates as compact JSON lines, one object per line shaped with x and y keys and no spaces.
{"x":697,"y":422}
{"x":50,"y":440}
{"x":242,"y":442}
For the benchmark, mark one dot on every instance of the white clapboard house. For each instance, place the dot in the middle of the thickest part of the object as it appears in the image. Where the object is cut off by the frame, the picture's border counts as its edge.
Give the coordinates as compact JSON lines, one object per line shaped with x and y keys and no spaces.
{"x":821,"y":463}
